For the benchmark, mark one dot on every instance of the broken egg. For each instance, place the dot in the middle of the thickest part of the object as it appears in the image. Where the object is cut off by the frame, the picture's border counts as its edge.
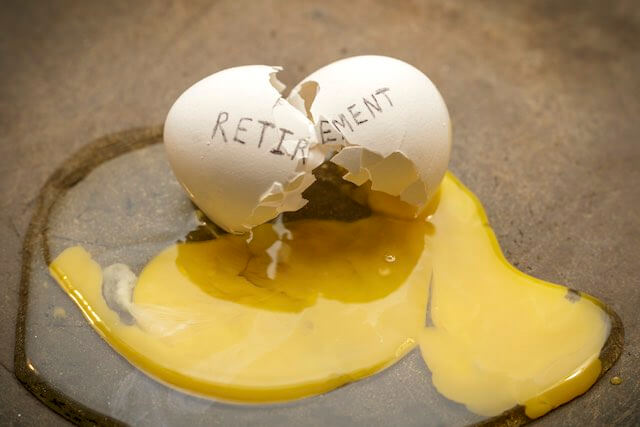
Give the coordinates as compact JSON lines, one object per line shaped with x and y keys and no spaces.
{"x":386,"y":118}
{"x":304,"y":306}
{"x":241,"y":151}
{"x":244,"y":154}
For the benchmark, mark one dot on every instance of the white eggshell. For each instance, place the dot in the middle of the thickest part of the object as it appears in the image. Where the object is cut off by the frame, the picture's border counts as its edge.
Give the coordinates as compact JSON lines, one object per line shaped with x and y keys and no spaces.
{"x":240,"y":150}
{"x":388,"y":120}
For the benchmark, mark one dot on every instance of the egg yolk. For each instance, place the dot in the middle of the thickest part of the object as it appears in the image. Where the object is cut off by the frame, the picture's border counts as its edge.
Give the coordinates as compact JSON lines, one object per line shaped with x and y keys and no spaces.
{"x":300,"y":308}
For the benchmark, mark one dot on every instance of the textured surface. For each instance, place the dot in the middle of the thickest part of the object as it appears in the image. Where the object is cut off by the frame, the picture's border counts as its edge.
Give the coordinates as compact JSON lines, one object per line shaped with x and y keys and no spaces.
{"x":543,"y":97}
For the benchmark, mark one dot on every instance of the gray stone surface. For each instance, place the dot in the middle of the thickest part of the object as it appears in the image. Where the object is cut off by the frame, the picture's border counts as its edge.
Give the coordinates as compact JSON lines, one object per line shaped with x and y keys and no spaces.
{"x":543,"y":97}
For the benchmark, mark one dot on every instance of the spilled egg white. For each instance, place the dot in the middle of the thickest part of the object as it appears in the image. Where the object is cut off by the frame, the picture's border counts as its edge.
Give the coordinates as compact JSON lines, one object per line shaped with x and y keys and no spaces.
{"x":386,"y":118}
{"x":242,"y":153}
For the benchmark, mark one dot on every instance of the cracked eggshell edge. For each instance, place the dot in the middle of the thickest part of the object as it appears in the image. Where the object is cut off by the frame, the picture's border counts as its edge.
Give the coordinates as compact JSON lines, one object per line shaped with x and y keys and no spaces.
{"x":387,"y":120}
{"x":229,"y":169}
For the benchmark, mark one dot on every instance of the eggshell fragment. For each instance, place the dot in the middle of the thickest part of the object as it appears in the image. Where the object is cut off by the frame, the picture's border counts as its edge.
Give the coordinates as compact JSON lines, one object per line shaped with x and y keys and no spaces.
{"x":386,"y":118}
{"x":240,"y":150}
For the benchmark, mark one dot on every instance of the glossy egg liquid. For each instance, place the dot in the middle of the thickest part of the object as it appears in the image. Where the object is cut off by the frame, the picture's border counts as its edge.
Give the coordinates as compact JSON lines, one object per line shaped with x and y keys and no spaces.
{"x":299,"y":308}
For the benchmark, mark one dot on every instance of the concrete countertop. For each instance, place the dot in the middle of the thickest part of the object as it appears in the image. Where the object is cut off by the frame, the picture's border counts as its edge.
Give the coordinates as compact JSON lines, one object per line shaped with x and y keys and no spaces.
{"x":544,"y":98}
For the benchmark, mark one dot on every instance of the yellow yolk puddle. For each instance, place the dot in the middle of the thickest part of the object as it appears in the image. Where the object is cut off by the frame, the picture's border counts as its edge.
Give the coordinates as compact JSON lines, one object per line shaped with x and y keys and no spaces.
{"x":307,"y":306}
{"x":501,"y":337}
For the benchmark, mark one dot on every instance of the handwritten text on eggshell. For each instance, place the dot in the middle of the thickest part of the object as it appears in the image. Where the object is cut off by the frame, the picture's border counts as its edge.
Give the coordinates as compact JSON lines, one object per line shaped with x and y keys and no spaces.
{"x":253,"y":131}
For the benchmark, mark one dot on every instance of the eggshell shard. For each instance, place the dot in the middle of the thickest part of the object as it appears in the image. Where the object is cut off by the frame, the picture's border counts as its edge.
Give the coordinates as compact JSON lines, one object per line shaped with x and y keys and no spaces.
{"x":241,"y":151}
{"x":388,"y":120}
